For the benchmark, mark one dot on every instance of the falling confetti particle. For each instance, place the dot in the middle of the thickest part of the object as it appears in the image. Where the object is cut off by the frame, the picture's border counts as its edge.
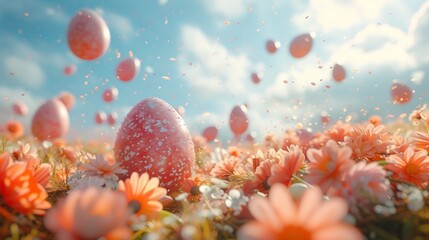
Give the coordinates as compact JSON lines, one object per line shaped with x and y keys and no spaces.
{"x":348,"y":118}
{"x":166,"y":77}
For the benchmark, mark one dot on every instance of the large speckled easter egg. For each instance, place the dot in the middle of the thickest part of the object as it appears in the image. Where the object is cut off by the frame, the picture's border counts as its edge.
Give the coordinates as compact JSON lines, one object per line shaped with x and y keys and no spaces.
{"x":50,"y":121}
{"x":88,"y":35}
{"x":153,"y":138}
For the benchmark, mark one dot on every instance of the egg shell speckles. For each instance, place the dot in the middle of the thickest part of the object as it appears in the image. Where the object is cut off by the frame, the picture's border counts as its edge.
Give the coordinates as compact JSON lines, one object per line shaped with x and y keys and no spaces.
{"x":50,"y":121}
{"x":153,"y":138}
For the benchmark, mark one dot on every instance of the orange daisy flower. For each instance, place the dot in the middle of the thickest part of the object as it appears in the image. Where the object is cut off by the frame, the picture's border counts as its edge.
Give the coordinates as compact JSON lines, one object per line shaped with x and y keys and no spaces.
{"x":375,"y":120}
{"x":192,"y":187}
{"x":410,"y":166}
{"x":328,"y":165}
{"x":14,"y":129}
{"x":279,"y":217}
{"x":420,"y":140}
{"x":20,"y":190}
{"x":143,"y":193}
{"x":282,"y":172}
{"x":368,"y":142}
{"x":41,"y":172}
{"x":262,"y":174}
{"x":338,"y":131}
{"x":90,"y":214}
{"x":225,"y":168}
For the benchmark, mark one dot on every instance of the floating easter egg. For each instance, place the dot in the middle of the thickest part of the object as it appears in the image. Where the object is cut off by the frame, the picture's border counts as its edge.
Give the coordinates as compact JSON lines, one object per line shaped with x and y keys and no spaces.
{"x":153,"y":138}
{"x":272,"y":46}
{"x":304,"y":137}
{"x":50,"y":121}
{"x":338,"y":73}
{"x":256,"y":78}
{"x":111,"y":118}
{"x":110,"y":94}
{"x":324,"y":117}
{"x":20,"y":108}
{"x":238,"y":121}
{"x":88,"y":35}
{"x":67,"y":99}
{"x":301,"y":45}
{"x":127,"y":69}
{"x":250,"y":139}
{"x":210,"y":133}
{"x":70,"y":70}
{"x":100,"y":117}
{"x":401,"y":93}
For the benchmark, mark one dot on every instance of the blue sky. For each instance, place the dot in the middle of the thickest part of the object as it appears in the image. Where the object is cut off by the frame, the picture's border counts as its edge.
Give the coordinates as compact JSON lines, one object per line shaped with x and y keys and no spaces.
{"x":209,"y":49}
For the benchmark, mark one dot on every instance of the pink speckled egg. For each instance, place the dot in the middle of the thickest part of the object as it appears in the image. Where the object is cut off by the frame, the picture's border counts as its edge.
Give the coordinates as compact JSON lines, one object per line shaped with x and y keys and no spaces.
{"x":301,"y":45}
{"x":153,"y":138}
{"x":238,"y":121}
{"x":111,"y":118}
{"x":210,"y":133}
{"x":401,"y":93}
{"x":272,"y":46}
{"x":88,"y":35}
{"x":256,"y":78}
{"x":110,"y":94}
{"x":100,"y":117}
{"x":338,"y":73}
{"x":50,"y":121}
{"x":127,"y":69}
{"x":67,"y":99}
{"x":20,"y":108}
{"x":70,"y":70}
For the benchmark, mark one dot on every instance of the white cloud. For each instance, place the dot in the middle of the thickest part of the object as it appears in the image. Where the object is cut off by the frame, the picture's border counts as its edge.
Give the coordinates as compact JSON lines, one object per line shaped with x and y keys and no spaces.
{"x":376,"y":46}
{"x":417,"y":77}
{"x":117,"y":23}
{"x":226,"y":8}
{"x":27,"y":72}
{"x":419,"y":32}
{"x":209,"y":66}
{"x":37,"y":11}
{"x":329,"y":15}
{"x":162,"y":2}
{"x":22,"y":65}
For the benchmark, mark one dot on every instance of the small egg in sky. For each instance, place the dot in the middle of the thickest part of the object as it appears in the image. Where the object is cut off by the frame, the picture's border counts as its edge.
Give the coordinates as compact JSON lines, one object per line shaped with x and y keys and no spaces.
{"x":127,"y":69}
{"x":110,"y":94}
{"x":301,"y":45}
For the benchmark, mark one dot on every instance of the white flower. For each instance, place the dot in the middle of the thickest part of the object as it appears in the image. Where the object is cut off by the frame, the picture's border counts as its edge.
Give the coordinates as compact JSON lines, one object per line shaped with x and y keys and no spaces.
{"x":98,"y":167}
{"x":86,"y":182}
{"x":236,"y":200}
{"x":73,"y":180}
{"x":212,"y":192}
{"x":415,"y":200}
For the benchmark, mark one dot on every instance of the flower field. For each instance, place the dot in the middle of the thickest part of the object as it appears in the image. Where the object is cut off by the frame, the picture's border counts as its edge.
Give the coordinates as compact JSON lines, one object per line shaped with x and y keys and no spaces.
{"x":350,"y":181}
